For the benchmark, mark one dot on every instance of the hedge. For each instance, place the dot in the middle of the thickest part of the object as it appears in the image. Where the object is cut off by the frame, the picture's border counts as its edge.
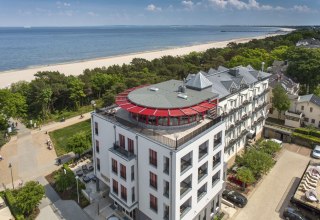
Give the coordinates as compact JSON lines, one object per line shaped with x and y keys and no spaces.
{"x":11,"y":203}
{"x":308,"y":131}
{"x":308,"y":138}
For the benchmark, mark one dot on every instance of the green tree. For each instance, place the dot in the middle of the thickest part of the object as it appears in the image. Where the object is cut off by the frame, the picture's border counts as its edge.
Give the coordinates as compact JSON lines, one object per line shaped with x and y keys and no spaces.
{"x":29,"y":197}
{"x":79,"y":142}
{"x":257,"y":161}
{"x":280,"y":100}
{"x":253,"y":57}
{"x":316,"y":91}
{"x":245,"y":175}
{"x":108,"y":98}
{"x":64,"y":179}
{"x":279,"y":53}
{"x":76,"y":93}
{"x":101,"y":82}
{"x":269,"y":147}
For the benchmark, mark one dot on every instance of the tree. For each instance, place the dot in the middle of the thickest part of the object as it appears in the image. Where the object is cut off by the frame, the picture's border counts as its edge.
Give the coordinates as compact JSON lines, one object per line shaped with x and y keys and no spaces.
{"x":29,"y":197}
{"x":257,"y":161}
{"x":108,"y":98}
{"x":76,"y":92}
{"x":245,"y":175}
{"x":79,"y":142}
{"x":64,"y":179}
{"x":269,"y":147}
{"x":280,"y":99}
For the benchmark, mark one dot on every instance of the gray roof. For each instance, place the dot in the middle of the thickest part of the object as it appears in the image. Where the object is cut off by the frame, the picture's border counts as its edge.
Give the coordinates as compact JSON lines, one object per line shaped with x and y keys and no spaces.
{"x":310,"y":98}
{"x":283,"y":80}
{"x":166,"y":96}
{"x":198,"y":81}
{"x":309,"y":43}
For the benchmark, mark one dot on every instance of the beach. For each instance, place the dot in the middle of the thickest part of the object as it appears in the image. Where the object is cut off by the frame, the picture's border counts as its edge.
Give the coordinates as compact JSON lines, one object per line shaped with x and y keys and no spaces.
{"x":76,"y":68}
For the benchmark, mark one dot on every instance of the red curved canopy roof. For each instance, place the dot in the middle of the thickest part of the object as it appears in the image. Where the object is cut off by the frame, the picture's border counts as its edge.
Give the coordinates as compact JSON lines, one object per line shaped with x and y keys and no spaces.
{"x":123,"y":102}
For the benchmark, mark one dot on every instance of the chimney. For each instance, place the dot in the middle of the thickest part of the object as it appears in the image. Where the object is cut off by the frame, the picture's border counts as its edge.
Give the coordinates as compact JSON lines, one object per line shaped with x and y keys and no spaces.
{"x":262,"y":66}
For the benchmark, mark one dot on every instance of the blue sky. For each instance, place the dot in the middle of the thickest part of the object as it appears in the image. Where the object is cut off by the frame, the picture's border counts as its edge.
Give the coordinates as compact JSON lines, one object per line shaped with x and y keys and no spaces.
{"x":158,"y":12}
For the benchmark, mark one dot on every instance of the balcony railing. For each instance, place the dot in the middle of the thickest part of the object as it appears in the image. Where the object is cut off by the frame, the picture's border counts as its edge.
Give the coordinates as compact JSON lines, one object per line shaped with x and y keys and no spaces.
{"x":203,"y":152}
{"x":217,"y":142}
{"x":216,"y":162}
{"x":185,"y":164}
{"x":202,"y":173}
{"x":184,"y":210}
{"x":122,"y":152}
{"x":185,"y":187}
{"x":201,"y":194}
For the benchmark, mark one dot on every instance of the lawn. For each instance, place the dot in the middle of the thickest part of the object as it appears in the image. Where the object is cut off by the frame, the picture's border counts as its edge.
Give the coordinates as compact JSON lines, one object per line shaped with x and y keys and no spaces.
{"x":60,"y":137}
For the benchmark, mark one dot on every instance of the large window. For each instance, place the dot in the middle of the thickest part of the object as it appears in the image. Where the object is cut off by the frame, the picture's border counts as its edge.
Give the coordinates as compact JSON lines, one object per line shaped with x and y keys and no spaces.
{"x":133,"y":195}
{"x":166,"y":165}
{"x":132,"y":172}
{"x":97,"y":146}
{"x":203,"y":149}
{"x":130,"y":146}
{"x":153,"y":180}
{"x":217,"y":139}
{"x":153,"y":157}
{"x":114,"y":166}
{"x":123,"y":193}
{"x":122,"y":141}
{"x":123,"y":172}
{"x":98,"y":164}
{"x":96,"y":128}
{"x":153,"y":203}
{"x":115,"y":186}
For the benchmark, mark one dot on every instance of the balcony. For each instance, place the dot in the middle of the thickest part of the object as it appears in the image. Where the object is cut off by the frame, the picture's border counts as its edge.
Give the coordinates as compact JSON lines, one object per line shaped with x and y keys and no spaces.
{"x":203,"y":152}
{"x":202,"y":172}
{"x":185,"y":207}
{"x":186,"y":163}
{"x":201,"y":192}
{"x":185,"y":186}
{"x":294,"y":114}
{"x":216,"y":161}
{"x":217,"y":142}
{"x":120,"y":151}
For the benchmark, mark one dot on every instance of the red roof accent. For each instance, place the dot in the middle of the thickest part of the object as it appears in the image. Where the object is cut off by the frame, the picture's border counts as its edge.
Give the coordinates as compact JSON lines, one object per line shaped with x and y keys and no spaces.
{"x":199,"y":109}
{"x":136,"y":109}
{"x":207,"y":105}
{"x":127,"y":106}
{"x":162,"y":113}
{"x":175,"y":112}
{"x":148,"y":111}
{"x":189,"y":111}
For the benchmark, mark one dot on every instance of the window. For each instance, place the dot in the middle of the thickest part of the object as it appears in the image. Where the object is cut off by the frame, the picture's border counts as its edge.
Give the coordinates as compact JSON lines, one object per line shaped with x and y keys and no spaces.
{"x":166,"y":188}
{"x":153,"y":180}
{"x":114,"y":166}
{"x":302,"y":107}
{"x":98,"y":164}
{"x":153,"y":157}
{"x":123,"y":193}
{"x":132,"y":172}
{"x":215,"y":178}
{"x":166,"y":165}
{"x":97,"y":146}
{"x":115,"y":186}
{"x":271,"y":110}
{"x":311,"y":109}
{"x":133,"y":196}
{"x":130,"y":146}
{"x":306,"y":119}
{"x":203,"y":149}
{"x":313,"y":121}
{"x":123,"y":173}
{"x":165,"y":212}
{"x":216,"y":160}
{"x":153,"y":203}
{"x":96,"y":128}
{"x":217,"y":139}
{"x":122,"y":141}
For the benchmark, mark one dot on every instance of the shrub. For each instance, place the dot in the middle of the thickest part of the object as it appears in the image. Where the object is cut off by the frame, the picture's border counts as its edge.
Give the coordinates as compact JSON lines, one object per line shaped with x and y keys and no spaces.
{"x":12,"y":205}
{"x":245,"y":175}
{"x":309,"y":139}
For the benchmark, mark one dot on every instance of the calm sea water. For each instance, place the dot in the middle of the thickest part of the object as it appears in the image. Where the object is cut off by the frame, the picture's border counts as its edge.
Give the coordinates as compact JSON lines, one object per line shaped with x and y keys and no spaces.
{"x":25,"y":47}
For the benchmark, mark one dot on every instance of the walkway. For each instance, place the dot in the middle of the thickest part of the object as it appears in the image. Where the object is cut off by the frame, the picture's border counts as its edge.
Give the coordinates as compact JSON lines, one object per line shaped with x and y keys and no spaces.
{"x":273,"y":194}
{"x":28,"y":154}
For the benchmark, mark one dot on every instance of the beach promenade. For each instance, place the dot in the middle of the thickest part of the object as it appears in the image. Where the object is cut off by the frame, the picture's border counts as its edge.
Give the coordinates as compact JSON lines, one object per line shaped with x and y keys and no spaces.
{"x":76,"y":68}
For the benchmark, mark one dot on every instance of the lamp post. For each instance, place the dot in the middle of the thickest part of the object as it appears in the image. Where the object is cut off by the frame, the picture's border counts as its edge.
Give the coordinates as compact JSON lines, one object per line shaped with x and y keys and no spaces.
{"x":10,"y":166}
{"x":93,"y":103}
{"x":77,"y":178}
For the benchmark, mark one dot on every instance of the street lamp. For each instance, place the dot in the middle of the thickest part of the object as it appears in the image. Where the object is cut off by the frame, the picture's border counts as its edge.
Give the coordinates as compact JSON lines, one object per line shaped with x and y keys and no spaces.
{"x":77,"y":178}
{"x":93,"y":103}
{"x":10,"y":166}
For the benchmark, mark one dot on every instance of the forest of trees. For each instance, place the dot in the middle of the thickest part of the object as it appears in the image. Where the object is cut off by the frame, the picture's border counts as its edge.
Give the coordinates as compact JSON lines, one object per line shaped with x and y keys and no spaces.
{"x":52,"y":92}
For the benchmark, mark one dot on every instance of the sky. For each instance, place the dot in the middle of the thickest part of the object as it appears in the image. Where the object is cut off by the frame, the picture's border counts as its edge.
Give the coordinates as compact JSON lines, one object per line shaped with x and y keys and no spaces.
{"x":158,"y":12}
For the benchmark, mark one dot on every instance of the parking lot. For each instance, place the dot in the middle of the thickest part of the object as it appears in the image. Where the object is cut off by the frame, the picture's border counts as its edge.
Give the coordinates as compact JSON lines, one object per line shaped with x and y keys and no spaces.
{"x":273,"y":194}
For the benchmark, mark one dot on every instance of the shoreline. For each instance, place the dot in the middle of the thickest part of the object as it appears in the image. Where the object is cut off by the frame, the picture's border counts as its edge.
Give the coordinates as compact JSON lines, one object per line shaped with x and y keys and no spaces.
{"x":77,"y":67}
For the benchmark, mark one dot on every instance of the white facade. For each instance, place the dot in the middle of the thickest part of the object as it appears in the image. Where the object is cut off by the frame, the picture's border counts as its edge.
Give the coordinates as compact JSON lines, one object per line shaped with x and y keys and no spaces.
{"x":244,"y":110}
{"x":183,"y":199}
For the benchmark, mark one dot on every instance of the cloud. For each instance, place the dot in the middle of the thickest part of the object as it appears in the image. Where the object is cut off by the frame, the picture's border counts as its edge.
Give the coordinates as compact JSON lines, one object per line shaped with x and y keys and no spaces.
{"x":93,"y":14}
{"x":187,"y":4}
{"x":254,"y":5}
{"x":62,"y":4}
{"x":152,"y":7}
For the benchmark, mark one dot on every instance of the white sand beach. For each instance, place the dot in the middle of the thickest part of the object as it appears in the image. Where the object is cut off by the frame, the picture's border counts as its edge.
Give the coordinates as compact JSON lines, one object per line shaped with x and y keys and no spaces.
{"x":77,"y":67}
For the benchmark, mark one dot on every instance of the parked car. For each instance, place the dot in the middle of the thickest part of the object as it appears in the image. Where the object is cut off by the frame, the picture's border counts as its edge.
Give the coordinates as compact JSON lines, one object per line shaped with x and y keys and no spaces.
{"x":235,"y":197}
{"x":79,"y":173}
{"x":92,"y":177}
{"x":90,"y":168}
{"x":316,"y":152}
{"x":277,"y":141}
{"x":293,"y":214}
{"x":85,"y":169}
{"x":86,"y":179}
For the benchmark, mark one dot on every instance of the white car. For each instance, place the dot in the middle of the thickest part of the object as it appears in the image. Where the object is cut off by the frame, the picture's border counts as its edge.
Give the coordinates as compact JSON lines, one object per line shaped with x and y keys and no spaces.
{"x":316,"y":152}
{"x":277,"y":141}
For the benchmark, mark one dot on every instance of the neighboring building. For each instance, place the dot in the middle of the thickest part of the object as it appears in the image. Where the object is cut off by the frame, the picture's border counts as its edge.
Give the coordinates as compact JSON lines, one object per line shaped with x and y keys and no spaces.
{"x":278,"y":78}
{"x":304,"y":110}
{"x":161,"y":150}
{"x":243,"y":101}
{"x":309,"y":43}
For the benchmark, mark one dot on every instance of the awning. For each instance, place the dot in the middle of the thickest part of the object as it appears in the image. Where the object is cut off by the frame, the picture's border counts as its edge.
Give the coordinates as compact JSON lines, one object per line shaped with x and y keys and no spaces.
{"x":127,"y":106}
{"x":161,"y":113}
{"x":189,"y":111}
{"x":136,"y":109}
{"x":175,"y":112}
{"x":207,"y":105}
{"x":199,"y":109}
{"x":148,"y":111}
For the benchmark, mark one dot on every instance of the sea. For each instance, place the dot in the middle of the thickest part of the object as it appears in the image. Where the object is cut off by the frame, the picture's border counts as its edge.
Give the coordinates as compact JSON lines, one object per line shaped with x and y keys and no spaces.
{"x":27,"y":47}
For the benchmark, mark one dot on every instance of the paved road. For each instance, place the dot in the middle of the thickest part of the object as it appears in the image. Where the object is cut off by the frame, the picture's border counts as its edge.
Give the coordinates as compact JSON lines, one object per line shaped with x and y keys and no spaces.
{"x":273,"y":194}
{"x":28,"y":154}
